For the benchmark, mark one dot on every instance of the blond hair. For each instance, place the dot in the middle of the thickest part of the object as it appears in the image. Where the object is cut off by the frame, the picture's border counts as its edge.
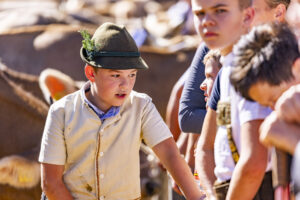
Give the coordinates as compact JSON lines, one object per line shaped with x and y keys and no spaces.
{"x":213,"y":55}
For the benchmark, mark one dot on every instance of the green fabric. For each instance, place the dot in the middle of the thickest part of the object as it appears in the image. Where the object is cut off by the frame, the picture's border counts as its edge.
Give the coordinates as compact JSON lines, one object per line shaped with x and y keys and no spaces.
{"x":113,"y":48}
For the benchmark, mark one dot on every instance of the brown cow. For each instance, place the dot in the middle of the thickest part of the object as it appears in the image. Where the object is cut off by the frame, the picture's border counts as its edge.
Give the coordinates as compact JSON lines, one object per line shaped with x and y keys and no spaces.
{"x":22,"y":116}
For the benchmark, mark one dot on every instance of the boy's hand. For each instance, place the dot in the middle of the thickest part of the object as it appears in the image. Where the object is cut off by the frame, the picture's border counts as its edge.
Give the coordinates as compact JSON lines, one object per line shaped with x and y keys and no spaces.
{"x":52,"y":182}
{"x":271,"y":130}
{"x":288,"y":105}
{"x":175,"y":187}
{"x":169,"y":155}
{"x":276,"y":132}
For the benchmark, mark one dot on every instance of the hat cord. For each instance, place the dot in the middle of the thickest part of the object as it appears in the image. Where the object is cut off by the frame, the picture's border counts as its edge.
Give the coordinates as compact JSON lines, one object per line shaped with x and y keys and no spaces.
{"x":94,"y":54}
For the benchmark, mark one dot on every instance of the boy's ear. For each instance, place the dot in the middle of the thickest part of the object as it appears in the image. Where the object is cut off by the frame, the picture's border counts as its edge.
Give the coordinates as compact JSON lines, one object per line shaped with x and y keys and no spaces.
{"x":296,"y":68}
{"x":89,"y":73}
{"x":280,"y":11}
{"x":248,"y":17}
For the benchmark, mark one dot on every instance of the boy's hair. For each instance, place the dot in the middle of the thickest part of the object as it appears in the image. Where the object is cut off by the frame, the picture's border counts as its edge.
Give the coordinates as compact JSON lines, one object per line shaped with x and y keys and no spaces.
{"x":274,"y":3}
{"x":265,"y":54}
{"x":243,"y":4}
{"x":213,"y":55}
{"x":95,"y":68}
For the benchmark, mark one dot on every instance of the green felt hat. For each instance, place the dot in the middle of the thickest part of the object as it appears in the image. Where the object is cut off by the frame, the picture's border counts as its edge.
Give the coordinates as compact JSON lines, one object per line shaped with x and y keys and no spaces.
{"x":111,"y":47}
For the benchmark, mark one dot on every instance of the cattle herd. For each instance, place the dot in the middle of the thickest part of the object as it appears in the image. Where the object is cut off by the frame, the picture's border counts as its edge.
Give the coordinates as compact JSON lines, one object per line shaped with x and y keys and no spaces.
{"x":38,"y":35}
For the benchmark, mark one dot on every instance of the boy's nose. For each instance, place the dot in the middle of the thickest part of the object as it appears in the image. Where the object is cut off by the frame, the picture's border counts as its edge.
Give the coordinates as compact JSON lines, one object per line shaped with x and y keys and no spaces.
{"x":203,"y":86}
{"x":207,"y":21}
{"x":124,"y":83}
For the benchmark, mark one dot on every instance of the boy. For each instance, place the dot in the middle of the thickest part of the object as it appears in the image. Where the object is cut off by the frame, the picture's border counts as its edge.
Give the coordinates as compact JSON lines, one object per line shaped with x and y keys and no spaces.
{"x":273,"y":77}
{"x":91,"y":140}
{"x":212,"y":66}
{"x":214,"y":19}
{"x":272,"y":65}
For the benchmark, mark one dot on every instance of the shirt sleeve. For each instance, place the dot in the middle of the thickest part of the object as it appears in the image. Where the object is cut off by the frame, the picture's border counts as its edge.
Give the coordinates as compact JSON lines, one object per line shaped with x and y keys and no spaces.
{"x":295,"y":170}
{"x":154,"y":129}
{"x":250,"y":110}
{"x":215,"y":94}
{"x":192,"y":107}
{"x":53,"y":150}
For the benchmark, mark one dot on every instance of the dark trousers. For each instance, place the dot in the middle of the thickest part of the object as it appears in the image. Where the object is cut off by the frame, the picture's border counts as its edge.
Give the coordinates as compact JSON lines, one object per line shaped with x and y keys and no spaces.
{"x":43,"y":197}
{"x":265,"y":192}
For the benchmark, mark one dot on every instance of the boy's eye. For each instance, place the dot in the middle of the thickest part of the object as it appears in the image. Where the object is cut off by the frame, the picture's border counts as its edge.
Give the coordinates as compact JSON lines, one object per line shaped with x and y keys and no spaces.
{"x":115,"y":75}
{"x":199,"y":13}
{"x":208,"y":76}
{"x":219,"y":11}
{"x":132,"y":75}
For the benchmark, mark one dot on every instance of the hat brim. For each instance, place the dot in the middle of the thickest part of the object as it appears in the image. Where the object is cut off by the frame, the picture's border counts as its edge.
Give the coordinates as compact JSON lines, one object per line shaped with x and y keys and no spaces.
{"x":117,"y":63}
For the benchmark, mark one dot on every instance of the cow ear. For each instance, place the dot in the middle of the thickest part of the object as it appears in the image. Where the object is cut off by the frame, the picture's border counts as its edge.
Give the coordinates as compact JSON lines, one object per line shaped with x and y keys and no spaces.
{"x":55,"y":84}
{"x":89,"y":73}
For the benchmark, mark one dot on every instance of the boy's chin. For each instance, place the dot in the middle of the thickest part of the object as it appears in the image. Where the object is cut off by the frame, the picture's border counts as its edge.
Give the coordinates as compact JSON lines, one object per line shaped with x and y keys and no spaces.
{"x":213,"y":44}
{"x":119,"y":102}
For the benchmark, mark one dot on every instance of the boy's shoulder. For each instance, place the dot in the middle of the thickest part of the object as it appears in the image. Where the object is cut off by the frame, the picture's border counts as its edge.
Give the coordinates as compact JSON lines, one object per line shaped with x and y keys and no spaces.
{"x":139,"y":95}
{"x":137,"y":98}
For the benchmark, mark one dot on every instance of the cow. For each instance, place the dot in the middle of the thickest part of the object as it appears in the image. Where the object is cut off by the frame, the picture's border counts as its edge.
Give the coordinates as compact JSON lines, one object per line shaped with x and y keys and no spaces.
{"x":22,"y":116}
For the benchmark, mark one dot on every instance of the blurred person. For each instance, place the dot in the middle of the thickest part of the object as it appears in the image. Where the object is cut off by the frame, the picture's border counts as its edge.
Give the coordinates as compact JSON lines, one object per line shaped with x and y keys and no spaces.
{"x":293,"y":17}
{"x":187,"y":100}
{"x":190,"y":80}
{"x":288,"y":106}
{"x":212,"y":65}
{"x":187,"y":103}
{"x":173,"y":106}
{"x":206,"y":143}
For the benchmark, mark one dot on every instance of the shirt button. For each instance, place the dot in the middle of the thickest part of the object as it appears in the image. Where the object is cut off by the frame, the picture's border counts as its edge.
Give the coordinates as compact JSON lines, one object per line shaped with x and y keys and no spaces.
{"x":102,"y":197}
{"x":101,"y":176}
{"x":101,"y":154}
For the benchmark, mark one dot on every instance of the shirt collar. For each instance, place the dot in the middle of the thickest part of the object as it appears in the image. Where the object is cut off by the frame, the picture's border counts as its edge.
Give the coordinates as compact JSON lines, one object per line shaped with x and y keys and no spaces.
{"x":226,"y":60}
{"x":113,"y":111}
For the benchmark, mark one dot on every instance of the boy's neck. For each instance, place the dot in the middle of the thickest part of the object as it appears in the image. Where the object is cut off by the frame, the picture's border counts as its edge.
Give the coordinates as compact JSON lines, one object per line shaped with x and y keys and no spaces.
{"x":227,"y":50}
{"x":91,"y":98}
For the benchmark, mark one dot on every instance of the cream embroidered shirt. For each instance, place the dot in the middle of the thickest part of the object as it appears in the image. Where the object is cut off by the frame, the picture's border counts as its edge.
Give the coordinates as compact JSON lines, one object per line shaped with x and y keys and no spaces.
{"x":101,"y":159}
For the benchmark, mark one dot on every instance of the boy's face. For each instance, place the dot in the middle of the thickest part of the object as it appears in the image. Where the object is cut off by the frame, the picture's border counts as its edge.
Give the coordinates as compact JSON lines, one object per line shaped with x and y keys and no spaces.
{"x":220,"y":23}
{"x":266,"y":94}
{"x":111,"y":87}
{"x":293,"y":17}
{"x":263,"y":13}
{"x":211,"y":71}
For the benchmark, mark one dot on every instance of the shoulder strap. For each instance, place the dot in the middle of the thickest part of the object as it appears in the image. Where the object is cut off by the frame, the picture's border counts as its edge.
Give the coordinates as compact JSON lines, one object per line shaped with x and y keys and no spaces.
{"x":224,"y":119}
